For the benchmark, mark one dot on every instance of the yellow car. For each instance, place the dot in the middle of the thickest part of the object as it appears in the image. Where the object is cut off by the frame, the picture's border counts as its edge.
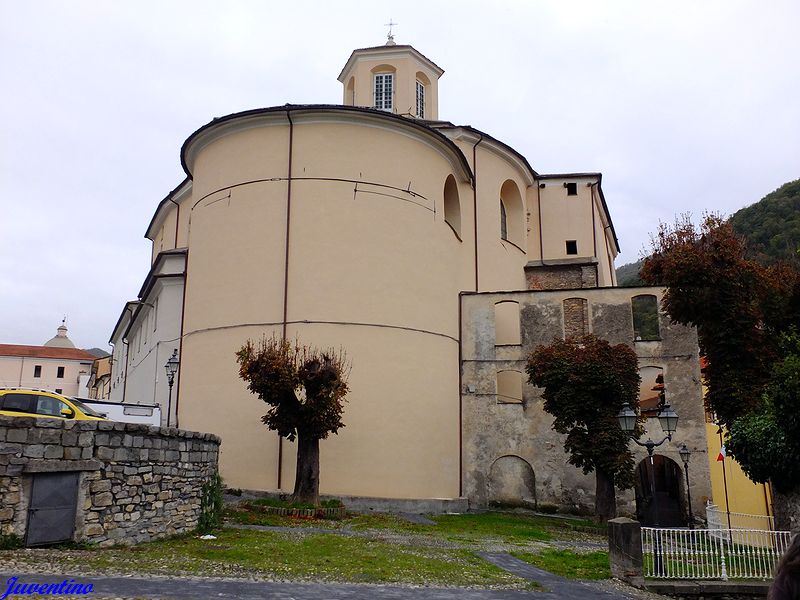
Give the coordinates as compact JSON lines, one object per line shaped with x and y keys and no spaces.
{"x":19,"y":402}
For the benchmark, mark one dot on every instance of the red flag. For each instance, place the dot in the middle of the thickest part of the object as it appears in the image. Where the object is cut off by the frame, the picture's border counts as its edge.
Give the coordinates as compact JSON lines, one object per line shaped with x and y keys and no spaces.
{"x":721,"y":456}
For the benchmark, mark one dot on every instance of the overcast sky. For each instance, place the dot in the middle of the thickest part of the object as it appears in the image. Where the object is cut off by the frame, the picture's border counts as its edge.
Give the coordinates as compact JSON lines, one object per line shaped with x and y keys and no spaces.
{"x":683,"y":106}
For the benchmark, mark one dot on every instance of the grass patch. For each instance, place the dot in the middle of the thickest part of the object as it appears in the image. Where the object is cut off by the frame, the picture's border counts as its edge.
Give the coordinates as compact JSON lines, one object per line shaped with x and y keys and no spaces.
{"x":316,"y":557}
{"x":590,"y":565}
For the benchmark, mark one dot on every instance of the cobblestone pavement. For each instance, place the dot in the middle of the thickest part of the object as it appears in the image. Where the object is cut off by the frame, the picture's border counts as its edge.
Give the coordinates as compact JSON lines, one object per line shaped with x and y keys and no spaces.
{"x":160,"y":588}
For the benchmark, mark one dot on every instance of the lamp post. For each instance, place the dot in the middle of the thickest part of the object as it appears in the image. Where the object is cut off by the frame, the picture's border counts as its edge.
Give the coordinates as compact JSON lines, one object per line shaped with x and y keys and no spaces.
{"x":685,"y":455}
{"x":669,"y":424}
{"x":172,"y":368}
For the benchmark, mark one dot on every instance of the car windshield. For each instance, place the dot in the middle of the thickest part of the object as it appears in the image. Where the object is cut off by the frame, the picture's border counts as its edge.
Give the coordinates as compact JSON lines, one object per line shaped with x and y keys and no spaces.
{"x":86,"y":410}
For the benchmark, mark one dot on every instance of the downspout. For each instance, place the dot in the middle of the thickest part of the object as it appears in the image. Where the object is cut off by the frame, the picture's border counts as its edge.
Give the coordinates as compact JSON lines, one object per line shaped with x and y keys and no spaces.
{"x":286,"y":270}
{"x":125,"y":376}
{"x":591,"y":203}
{"x":180,"y":339}
{"x":177,"y":222}
{"x":594,"y":233}
{"x":475,"y":208}
{"x":460,"y":408}
{"x":21,"y":369}
{"x":539,"y":208}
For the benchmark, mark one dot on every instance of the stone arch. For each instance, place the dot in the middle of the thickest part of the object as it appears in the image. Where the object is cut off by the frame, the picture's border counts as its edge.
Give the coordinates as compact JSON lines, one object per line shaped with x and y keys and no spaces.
{"x":506,"y":323}
{"x":512,"y":227}
{"x":644,"y":308}
{"x":511,"y":481}
{"x":452,"y":205}
{"x":667,"y":507}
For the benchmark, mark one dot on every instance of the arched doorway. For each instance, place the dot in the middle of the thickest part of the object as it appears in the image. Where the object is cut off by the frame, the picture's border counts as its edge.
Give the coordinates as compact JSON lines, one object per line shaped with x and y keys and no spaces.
{"x":511,"y":482}
{"x":667,"y":509}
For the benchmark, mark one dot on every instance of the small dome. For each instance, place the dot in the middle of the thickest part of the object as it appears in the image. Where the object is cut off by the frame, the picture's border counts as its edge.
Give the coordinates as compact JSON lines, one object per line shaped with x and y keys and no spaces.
{"x":60,"y":340}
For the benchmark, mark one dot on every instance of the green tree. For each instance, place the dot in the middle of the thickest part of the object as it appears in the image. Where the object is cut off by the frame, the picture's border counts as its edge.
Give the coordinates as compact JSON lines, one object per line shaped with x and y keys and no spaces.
{"x":767,"y":442}
{"x":586,"y":382}
{"x":305,"y":388}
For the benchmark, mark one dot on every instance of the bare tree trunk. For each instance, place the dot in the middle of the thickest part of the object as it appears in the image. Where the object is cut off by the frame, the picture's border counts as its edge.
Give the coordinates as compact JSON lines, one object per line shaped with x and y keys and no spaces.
{"x":605,"y":496}
{"x":306,"y":479}
{"x":786,"y":506}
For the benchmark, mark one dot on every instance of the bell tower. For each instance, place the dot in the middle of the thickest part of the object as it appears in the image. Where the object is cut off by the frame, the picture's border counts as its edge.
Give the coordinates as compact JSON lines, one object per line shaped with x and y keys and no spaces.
{"x":393,"y":77}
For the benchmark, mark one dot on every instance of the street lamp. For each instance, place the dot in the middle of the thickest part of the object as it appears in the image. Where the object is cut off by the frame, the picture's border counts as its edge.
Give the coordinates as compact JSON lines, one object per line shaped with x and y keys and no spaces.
{"x":172,"y":368}
{"x":669,"y":423}
{"x":685,"y":455}
{"x":667,"y":417}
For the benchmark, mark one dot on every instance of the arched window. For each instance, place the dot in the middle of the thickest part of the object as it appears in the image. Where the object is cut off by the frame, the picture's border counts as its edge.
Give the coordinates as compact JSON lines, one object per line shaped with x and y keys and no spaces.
{"x":383,"y":87}
{"x":651,"y":388}
{"x":645,"y":318}
{"x":576,"y":317}
{"x":509,"y":387}
{"x":506,"y":323}
{"x":421,"y":89}
{"x":452,"y":205}
{"x":503,"y":221}
{"x":512,"y":219}
{"x":350,"y":93}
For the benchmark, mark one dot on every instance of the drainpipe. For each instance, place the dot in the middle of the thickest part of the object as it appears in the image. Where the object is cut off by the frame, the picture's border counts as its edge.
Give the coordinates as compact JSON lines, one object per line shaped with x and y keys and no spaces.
{"x":180,"y":338}
{"x":177,"y":221}
{"x":286,"y":270}
{"x":539,"y":207}
{"x":475,"y":208}
{"x":460,"y":408}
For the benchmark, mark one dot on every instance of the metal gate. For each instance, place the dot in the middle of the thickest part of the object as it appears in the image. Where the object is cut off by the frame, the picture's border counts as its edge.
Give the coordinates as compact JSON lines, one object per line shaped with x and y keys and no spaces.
{"x":51,"y":515}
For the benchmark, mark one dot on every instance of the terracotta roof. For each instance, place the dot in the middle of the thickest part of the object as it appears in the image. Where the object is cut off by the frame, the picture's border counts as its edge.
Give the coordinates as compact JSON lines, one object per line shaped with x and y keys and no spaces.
{"x":45,"y":352}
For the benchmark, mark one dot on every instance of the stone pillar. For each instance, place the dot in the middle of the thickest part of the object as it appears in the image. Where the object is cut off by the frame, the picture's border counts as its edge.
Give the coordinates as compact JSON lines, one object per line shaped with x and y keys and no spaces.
{"x":625,"y":550}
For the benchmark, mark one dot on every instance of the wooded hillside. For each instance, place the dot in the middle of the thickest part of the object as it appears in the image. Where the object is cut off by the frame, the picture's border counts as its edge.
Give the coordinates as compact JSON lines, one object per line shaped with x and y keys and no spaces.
{"x":771,"y":227}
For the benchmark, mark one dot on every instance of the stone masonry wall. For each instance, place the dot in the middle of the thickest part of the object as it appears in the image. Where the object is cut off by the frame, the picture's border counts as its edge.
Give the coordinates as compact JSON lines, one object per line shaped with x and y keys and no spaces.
{"x":560,"y":277}
{"x":501,"y":440}
{"x":136,"y":482}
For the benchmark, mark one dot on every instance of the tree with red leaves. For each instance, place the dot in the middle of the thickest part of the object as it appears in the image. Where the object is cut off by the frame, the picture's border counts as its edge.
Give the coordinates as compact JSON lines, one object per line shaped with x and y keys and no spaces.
{"x":586,"y":381}
{"x":745,"y":314}
{"x":305,"y":389}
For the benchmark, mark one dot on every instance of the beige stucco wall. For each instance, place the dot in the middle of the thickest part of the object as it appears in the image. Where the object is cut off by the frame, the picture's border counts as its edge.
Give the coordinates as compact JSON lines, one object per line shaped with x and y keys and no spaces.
{"x":373,"y":268}
{"x":17,"y":371}
{"x":360,"y":272}
{"x":405,"y":66}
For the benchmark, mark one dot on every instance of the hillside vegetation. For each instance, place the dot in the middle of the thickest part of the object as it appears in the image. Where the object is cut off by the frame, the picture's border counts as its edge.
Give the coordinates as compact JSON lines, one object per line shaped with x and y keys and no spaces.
{"x":771,"y":227}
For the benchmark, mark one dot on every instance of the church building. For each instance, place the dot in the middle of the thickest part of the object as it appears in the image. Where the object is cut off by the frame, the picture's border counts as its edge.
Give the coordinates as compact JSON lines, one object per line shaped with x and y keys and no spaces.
{"x":363,"y":225}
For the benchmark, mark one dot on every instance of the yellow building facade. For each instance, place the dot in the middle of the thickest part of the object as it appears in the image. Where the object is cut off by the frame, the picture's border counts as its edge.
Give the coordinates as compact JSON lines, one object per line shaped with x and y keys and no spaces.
{"x":357,"y":226}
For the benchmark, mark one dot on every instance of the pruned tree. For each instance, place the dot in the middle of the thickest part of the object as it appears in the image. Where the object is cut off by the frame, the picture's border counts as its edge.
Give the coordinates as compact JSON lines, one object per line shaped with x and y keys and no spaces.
{"x":586,"y":381}
{"x":305,"y":388}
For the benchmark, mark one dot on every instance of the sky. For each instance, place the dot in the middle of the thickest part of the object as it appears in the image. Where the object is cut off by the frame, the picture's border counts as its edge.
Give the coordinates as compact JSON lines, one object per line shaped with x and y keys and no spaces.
{"x":684,"y":106}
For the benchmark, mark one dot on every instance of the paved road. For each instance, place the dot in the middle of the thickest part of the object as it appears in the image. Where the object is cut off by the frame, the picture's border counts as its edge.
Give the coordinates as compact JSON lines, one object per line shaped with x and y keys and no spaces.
{"x":197,"y":588}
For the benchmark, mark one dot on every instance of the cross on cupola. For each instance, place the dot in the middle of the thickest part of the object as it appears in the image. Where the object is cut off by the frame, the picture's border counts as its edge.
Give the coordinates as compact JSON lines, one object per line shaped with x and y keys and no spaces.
{"x":389,"y":36}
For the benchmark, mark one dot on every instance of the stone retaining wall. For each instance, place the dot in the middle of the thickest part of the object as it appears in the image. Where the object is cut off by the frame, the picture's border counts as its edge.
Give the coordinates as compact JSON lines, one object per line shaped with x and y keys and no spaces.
{"x":136,"y":482}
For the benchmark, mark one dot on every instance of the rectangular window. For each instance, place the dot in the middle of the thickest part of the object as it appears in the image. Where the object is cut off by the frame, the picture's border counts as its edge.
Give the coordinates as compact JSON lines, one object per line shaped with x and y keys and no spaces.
{"x":572,"y":189}
{"x":60,"y":373}
{"x":420,"y":100}
{"x":572,"y":247}
{"x":59,"y":391}
{"x":383,"y":91}
{"x":37,"y":370}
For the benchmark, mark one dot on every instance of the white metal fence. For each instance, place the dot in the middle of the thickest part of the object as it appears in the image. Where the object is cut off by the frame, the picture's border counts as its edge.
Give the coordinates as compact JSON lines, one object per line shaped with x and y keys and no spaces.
{"x":720,"y":519}
{"x":712,"y":553}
